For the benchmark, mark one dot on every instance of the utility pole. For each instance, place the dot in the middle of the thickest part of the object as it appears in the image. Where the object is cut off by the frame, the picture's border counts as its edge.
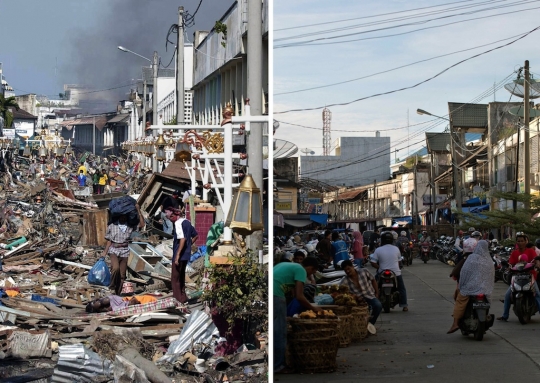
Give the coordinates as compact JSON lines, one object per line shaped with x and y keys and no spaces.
{"x":154,"y":90}
{"x":433,"y":191}
{"x":180,"y":69}
{"x":526,"y":135}
{"x":143,"y":110}
{"x":254,"y":91}
{"x":516,"y":185}
{"x":457,"y":187}
{"x":414,"y":207}
{"x":94,"y":135}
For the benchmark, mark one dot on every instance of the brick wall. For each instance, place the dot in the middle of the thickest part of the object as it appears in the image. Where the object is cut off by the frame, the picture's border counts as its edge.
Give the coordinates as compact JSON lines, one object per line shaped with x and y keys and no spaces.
{"x":204,"y":219}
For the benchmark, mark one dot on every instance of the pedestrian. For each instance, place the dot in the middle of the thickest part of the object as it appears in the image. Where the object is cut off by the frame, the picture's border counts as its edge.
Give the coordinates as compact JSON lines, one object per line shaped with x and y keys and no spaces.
{"x":184,"y":236}
{"x":118,"y":235}
{"x":83,"y":169}
{"x":81,"y":178}
{"x":103,"y":180}
{"x":357,"y":248}
{"x":95,"y":181}
{"x":170,"y":203}
{"x":339,"y":250}
{"x":32,"y":169}
{"x":324,"y":247}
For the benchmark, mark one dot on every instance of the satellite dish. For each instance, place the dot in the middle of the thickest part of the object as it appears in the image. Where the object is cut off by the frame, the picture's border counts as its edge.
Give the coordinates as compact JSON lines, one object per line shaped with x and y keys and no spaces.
{"x":307,"y":151}
{"x":517,"y":88}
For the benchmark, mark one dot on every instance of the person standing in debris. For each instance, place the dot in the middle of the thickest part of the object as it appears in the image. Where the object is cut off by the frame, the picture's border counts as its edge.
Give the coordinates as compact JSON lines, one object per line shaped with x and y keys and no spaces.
{"x":95,"y":180}
{"x":171,"y":202}
{"x":102,"y":181}
{"x":117,"y":247}
{"x":32,"y":169}
{"x":184,"y":236}
{"x":81,"y":178}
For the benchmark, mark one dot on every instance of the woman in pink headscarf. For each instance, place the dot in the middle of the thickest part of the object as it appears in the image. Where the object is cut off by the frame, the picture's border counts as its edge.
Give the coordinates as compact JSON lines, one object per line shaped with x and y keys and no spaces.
{"x":357,"y":248}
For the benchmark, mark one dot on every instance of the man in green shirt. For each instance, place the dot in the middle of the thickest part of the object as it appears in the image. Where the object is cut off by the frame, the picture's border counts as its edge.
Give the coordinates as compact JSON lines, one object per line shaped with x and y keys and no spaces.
{"x":288,"y":275}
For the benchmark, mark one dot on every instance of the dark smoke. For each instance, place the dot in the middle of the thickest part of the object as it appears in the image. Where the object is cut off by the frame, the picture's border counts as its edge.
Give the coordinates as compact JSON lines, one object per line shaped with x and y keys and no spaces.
{"x":138,"y":25}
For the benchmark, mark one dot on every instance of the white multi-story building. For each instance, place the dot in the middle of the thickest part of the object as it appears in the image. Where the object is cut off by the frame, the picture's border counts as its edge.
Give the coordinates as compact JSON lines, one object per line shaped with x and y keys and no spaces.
{"x":357,"y":161}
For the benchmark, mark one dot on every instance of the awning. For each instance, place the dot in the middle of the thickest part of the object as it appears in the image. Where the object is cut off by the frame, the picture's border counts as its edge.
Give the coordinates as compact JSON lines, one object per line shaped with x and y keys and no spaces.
{"x":123,"y":117}
{"x":319,"y":218}
{"x":350,"y":195}
{"x":298,"y":223}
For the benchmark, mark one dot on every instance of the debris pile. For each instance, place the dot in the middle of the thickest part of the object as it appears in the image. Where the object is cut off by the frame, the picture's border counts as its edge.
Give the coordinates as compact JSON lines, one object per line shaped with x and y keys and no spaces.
{"x":51,"y":235}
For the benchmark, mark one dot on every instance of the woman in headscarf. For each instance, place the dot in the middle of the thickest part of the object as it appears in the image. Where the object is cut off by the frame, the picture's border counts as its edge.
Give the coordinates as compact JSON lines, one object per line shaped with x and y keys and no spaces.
{"x":357,"y":249}
{"x":477,"y":277}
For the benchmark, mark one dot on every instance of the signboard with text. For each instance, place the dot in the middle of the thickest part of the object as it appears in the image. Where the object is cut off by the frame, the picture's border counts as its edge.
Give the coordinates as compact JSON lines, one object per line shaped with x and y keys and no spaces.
{"x":283,"y":205}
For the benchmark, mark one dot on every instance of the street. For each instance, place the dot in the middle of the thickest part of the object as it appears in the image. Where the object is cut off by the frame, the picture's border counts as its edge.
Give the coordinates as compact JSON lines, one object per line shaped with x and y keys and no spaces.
{"x":414,"y":346}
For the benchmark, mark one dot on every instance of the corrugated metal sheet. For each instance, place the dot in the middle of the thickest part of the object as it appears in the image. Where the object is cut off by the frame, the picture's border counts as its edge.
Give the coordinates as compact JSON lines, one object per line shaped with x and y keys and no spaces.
{"x":437,"y":142}
{"x":148,"y":74}
{"x":78,"y":364}
{"x":198,"y":328}
{"x":468,"y":115}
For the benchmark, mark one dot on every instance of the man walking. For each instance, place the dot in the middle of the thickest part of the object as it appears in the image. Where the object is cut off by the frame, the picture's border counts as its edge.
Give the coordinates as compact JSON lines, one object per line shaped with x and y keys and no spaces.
{"x":362,"y":284}
{"x":184,"y":236}
{"x":171,"y":202}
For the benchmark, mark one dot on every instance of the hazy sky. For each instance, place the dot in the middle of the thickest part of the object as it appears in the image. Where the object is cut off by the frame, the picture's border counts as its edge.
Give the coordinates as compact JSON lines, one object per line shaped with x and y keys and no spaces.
{"x":46,"y":44}
{"x":327,"y":61}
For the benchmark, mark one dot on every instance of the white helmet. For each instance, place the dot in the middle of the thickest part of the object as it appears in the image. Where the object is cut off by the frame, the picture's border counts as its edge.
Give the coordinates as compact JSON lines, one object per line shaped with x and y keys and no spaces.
{"x":395,"y":234}
{"x":403,"y":233}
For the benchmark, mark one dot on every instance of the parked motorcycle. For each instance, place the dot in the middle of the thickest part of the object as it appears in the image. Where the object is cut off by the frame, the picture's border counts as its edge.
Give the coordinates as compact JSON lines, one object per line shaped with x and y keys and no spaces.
{"x":477,"y":318}
{"x":388,"y":290}
{"x":523,"y":291}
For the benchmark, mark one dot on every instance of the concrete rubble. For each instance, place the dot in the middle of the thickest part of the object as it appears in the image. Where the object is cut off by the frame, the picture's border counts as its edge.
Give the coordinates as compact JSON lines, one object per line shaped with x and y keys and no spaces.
{"x":51,"y":234}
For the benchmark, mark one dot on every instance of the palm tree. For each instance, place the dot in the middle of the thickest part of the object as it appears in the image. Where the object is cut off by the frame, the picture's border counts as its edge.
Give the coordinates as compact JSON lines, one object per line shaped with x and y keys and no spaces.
{"x":5,"y":104}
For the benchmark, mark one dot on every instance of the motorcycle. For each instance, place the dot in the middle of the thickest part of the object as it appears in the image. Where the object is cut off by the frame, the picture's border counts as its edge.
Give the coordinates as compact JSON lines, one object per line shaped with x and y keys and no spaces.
{"x":477,"y":318}
{"x":406,"y":253}
{"x":388,"y":290}
{"x":523,"y":292}
{"x":425,"y":251}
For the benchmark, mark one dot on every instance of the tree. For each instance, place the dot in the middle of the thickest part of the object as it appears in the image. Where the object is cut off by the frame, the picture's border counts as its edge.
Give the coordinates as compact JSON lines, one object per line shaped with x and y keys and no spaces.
{"x":5,"y":104}
{"x":519,"y":220}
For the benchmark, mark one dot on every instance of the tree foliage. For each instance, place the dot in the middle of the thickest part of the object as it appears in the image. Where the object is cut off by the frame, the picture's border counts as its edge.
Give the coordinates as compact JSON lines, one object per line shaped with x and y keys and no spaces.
{"x":519,"y":220}
{"x":239,"y":290}
{"x":5,"y":104}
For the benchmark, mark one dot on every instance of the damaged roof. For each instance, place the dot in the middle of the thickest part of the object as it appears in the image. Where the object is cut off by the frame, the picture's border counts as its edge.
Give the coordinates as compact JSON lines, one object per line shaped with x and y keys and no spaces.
{"x":99,"y":120}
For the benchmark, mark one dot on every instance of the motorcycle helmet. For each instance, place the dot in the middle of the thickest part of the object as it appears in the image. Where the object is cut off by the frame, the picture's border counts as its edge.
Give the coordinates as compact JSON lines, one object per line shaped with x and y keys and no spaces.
{"x":387,"y":238}
{"x":403,"y":233}
{"x":460,"y":232}
{"x":303,"y":252}
{"x":537,"y":243}
{"x":476,"y":234}
{"x":471,"y":229}
{"x":395,"y":235}
{"x":469,"y":245}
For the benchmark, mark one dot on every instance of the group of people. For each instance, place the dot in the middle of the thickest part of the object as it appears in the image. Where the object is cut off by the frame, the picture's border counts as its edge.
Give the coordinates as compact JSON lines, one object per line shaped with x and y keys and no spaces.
{"x":119,"y":234}
{"x":475,"y":272}
{"x":294,"y":279}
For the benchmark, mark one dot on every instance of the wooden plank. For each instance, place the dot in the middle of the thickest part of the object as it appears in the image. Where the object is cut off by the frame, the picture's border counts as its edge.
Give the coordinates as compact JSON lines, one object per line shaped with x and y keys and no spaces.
{"x":93,"y":326}
{"x":30,"y":376}
{"x":16,"y":312}
{"x":82,"y":266}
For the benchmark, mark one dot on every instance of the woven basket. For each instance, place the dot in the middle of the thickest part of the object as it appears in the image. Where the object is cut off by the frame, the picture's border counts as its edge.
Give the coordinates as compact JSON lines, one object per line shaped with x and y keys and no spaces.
{"x":315,"y":355}
{"x":345,"y":330}
{"x":360,"y":317}
{"x":342,"y":310}
{"x":306,"y":326}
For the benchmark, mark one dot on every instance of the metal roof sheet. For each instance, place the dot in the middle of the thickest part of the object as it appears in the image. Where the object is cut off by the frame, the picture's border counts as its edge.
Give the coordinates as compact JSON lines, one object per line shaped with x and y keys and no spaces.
{"x":468,"y":115}
{"x":437,"y":142}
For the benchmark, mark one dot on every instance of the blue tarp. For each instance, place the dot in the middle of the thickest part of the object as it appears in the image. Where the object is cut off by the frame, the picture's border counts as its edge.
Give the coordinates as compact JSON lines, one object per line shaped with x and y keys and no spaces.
{"x":319,"y":218}
{"x":476,"y":210}
{"x":474,"y":201}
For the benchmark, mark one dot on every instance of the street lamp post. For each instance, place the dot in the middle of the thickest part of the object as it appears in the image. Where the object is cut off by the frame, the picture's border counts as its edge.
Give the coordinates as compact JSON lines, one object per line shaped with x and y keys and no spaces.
{"x":457,"y":188}
{"x":154,"y":63}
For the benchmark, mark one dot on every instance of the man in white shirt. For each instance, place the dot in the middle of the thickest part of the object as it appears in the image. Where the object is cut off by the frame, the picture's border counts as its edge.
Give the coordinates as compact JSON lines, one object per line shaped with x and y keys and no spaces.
{"x":387,"y":257}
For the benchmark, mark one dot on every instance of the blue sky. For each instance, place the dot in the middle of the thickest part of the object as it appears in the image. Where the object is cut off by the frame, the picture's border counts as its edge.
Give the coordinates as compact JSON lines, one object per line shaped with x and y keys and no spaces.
{"x":300,"y":67}
{"x":46,"y":44}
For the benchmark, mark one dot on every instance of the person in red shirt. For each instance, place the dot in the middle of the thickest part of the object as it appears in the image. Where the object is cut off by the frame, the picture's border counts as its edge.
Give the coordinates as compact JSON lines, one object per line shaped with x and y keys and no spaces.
{"x":521,"y":249}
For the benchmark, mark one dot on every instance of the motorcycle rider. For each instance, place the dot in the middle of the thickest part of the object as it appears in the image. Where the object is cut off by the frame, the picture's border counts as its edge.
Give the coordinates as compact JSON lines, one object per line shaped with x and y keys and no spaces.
{"x":340,"y":250}
{"x":476,"y":277}
{"x":363,"y":284}
{"x":459,"y":241}
{"x":403,"y":241}
{"x":521,"y":243}
{"x":386,"y":257}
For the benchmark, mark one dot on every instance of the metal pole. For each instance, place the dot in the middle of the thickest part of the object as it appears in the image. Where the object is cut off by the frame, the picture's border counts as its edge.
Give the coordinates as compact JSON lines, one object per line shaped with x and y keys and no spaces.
{"x":433,"y":191}
{"x":180,"y":68}
{"x":94,"y":135}
{"x":154,"y":91}
{"x":254,"y":90}
{"x":143,"y":111}
{"x":457,"y":189}
{"x":526,"y":135}
{"x":415,"y":206}
{"x":516,"y":184}
{"x":227,"y":177}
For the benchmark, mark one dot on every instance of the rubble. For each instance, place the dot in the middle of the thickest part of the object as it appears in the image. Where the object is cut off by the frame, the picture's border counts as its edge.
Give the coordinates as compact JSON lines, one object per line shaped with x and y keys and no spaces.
{"x":51,"y":234}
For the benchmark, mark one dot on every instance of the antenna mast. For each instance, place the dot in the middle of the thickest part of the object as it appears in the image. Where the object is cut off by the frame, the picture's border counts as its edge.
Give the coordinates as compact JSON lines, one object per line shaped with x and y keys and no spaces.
{"x":327,"y":127}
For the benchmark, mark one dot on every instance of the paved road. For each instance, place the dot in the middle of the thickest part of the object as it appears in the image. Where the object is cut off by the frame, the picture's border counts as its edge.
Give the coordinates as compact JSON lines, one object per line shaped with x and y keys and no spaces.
{"x":408,"y":342}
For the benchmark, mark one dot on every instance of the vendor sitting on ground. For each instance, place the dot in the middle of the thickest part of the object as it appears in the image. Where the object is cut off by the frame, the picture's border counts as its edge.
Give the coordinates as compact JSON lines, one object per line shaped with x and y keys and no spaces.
{"x":115,"y":303}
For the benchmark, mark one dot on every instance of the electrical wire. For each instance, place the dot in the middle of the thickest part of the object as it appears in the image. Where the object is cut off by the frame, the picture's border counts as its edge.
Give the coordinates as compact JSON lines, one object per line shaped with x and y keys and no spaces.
{"x":316,"y":42}
{"x":386,"y":21}
{"x":415,"y":85}
{"x":356,"y":131}
{"x":170,"y":62}
{"x":367,"y":17}
{"x":396,"y":68}
{"x":382,"y":149}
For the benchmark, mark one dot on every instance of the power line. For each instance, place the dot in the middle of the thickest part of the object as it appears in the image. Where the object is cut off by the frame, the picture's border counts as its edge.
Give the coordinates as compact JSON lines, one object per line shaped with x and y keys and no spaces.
{"x":386,"y":21}
{"x":396,"y":68}
{"x":354,"y":131}
{"x":366,"y":17}
{"x":314,"y":41}
{"x":415,"y":85}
